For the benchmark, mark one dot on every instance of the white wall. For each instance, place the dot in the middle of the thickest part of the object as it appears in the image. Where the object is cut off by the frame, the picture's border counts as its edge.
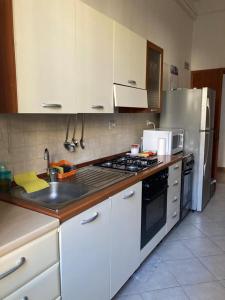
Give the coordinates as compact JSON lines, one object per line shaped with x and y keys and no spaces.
{"x":163,"y":22}
{"x":209,"y":41}
{"x":221,"y":160}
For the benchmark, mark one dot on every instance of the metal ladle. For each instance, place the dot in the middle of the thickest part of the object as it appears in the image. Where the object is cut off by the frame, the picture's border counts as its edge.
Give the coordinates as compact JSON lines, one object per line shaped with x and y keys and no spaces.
{"x":74,"y":142}
{"x":67,"y":145}
{"x":82,"y":133}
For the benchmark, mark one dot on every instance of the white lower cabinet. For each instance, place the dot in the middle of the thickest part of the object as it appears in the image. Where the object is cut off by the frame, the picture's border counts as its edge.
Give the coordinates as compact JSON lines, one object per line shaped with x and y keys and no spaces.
{"x":46,"y":286}
{"x":125,"y":236}
{"x":173,"y":195}
{"x":84,"y":254}
{"x":25,"y":263}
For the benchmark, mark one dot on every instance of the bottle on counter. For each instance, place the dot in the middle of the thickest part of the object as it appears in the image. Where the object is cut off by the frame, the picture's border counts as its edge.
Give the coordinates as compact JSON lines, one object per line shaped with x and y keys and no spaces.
{"x":5,"y":178}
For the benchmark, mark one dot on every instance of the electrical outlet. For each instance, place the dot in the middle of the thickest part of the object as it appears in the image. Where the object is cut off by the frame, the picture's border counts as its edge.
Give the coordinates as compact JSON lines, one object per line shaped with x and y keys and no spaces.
{"x":150,"y":124}
{"x":112,"y":124}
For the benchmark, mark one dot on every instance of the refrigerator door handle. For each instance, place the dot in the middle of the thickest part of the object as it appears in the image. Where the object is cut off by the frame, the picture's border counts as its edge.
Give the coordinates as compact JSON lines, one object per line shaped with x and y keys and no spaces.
{"x":207,"y":153}
{"x":208,"y":126}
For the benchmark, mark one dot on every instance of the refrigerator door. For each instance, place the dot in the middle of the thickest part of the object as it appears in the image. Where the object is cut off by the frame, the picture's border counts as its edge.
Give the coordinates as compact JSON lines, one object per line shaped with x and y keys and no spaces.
{"x":204,"y":172}
{"x":208,"y":109}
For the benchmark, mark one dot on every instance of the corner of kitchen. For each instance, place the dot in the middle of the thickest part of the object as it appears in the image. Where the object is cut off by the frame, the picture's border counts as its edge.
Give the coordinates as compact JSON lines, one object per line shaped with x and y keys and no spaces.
{"x":111,"y":152}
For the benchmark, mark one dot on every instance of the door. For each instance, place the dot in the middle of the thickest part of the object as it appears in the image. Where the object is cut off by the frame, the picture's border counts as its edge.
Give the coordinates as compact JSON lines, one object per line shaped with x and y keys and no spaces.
{"x":129,"y":57}
{"x":84,"y":255}
{"x":125,"y":235}
{"x":44,"y":33}
{"x":94,"y":45}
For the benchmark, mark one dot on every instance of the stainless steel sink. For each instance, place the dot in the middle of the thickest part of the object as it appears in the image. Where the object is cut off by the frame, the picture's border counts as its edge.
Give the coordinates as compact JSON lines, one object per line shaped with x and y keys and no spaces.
{"x":87,"y":181}
{"x":57,"y":195}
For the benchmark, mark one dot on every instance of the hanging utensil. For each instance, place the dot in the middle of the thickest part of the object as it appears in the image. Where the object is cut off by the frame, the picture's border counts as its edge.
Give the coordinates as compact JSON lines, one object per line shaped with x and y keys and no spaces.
{"x":75,"y":142}
{"x":67,"y":145}
{"x":82,"y":144}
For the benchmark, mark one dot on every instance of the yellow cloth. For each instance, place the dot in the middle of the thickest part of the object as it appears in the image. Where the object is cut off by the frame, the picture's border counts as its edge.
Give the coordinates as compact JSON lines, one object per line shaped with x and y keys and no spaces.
{"x":30,"y":182}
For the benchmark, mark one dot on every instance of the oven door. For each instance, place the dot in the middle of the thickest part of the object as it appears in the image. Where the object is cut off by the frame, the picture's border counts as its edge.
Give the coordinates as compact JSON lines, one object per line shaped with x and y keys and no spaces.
{"x":153,"y":215}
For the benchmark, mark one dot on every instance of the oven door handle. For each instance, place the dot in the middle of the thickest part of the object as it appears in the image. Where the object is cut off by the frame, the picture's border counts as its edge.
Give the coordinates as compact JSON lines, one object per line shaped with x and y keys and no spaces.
{"x":156,"y":195}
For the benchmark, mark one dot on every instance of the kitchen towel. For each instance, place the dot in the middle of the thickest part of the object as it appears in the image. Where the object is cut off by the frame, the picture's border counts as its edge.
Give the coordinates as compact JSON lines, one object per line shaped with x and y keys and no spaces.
{"x":30,"y":182}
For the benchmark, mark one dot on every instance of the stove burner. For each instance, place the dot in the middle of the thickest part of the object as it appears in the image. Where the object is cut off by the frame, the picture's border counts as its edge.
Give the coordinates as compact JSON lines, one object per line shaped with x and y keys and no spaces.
{"x":132,"y":168}
{"x":107,"y":164}
{"x":131,"y":164}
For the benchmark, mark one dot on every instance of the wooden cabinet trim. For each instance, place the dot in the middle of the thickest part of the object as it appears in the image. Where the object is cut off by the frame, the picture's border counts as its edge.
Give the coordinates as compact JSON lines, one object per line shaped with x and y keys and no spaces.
{"x":8,"y":90}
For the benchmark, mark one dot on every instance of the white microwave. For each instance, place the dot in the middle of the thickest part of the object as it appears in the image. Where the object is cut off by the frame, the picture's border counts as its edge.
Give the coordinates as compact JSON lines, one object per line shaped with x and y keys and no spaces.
{"x":174,"y":140}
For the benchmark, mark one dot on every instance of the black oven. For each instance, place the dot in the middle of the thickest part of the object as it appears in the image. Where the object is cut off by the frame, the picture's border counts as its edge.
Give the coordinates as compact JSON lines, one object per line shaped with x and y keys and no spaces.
{"x":154,"y":205}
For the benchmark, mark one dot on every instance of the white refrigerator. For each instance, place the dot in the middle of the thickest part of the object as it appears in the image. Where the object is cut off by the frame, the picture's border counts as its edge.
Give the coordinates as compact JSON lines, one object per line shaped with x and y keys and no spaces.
{"x":193,"y":110}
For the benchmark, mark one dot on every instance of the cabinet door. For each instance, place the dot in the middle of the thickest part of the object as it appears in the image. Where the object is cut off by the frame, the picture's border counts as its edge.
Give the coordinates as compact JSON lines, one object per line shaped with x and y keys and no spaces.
{"x":44,"y":33}
{"x":45,"y":286}
{"x":125,"y":235}
{"x":94,"y":36}
{"x":129,"y":57}
{"x":84,"y":255}
{"x":154,"y":76}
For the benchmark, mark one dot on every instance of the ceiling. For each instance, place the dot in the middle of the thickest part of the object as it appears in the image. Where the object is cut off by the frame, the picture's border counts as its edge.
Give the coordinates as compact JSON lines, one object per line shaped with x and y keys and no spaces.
{"x":202,"y":7}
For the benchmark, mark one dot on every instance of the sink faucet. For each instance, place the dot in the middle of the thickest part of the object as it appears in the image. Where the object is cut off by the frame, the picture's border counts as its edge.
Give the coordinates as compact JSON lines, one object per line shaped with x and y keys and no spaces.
{"x":51,"y":172}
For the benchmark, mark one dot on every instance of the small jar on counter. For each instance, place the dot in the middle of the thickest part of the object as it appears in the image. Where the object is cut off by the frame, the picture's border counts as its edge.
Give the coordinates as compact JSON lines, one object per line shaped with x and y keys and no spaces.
{"x":5,"y":179}
{"x":134,"y":149}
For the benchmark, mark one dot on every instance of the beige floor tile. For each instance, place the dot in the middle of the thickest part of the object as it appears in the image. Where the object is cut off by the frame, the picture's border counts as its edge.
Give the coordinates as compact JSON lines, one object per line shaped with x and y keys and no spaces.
{"x":205,"y":291}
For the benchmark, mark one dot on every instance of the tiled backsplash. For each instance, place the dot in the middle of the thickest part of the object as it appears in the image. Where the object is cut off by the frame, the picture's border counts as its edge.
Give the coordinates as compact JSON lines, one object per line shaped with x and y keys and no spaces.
{"x":23,"y":138}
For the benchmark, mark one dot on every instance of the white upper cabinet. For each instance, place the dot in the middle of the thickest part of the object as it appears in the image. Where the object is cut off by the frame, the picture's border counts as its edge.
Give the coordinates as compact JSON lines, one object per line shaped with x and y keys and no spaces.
{"x":44,"y":34}
{"x":129,"y":57}
{"x":94,"y":43}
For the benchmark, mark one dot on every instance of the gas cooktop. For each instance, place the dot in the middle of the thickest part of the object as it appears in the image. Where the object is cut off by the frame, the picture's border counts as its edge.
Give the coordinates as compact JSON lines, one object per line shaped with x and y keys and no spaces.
{"x":130,"y":163}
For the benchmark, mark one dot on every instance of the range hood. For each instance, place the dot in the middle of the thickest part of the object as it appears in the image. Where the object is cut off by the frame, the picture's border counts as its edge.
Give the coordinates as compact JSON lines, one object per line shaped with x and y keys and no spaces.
{"x":125,"y":96}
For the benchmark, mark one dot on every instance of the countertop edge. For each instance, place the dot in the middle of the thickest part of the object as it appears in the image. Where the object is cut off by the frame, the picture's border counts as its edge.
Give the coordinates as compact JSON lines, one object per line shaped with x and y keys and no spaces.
{"x":29,"y":237}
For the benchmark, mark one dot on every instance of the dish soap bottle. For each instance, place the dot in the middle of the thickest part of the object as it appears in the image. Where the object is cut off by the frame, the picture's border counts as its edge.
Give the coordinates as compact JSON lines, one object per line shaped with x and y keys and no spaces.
{"x":5,"y":178}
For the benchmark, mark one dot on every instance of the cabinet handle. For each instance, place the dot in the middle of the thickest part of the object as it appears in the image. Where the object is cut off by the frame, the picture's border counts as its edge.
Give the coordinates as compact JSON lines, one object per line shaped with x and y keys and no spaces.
{"x":17,"y":266}
{"x":129,"y":195}
{"x":25,"y":298}
{"x":174,"y":214}
{"x":175,"y":183}
{"x":175,"y":199}
{"x":97,"y":107}
{"x":176,"y":167}
{"x":51,"y":105}
{"x":83,"y":222}
{"x":133,"y":82}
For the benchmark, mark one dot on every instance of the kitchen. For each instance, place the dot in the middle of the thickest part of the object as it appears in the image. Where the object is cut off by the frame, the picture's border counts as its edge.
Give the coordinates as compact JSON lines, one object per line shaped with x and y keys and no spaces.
{"x":24,"y":137}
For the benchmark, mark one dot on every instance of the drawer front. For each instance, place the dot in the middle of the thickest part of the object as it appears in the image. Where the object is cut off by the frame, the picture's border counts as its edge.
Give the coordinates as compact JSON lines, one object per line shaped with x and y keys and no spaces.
{"x":28,"y":261}
{"x":173,"y":196}
{"x":175,"y":173}
{"x":45,"y":286}
{"x":173,"y":217}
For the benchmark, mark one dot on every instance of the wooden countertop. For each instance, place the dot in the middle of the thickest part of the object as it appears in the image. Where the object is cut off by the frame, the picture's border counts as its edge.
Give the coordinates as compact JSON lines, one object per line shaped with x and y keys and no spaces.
{"x":97,"y":197}
{"x":19,"y":226}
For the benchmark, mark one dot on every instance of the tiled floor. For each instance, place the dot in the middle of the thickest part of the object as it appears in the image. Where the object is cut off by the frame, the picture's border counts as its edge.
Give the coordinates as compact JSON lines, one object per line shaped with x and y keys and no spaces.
{"x":189,"y":263}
